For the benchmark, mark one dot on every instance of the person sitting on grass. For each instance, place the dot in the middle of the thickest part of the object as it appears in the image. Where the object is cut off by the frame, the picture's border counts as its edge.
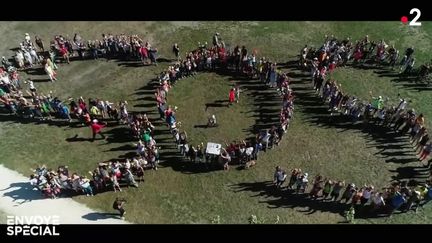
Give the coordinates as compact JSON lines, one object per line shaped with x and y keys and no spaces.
{"x":212,"y":121}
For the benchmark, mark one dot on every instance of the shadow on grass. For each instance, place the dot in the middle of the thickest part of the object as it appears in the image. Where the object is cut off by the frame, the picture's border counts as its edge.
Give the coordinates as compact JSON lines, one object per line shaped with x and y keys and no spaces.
{"x":5,"y":116}
{"x":285,"y":198}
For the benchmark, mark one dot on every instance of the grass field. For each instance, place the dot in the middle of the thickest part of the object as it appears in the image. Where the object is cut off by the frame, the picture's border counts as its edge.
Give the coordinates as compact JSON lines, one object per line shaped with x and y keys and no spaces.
{"x":180,"y":193}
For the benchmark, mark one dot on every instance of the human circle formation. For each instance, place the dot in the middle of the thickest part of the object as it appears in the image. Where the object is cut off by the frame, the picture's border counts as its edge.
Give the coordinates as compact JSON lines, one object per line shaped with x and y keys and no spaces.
{"x":22,"y":99}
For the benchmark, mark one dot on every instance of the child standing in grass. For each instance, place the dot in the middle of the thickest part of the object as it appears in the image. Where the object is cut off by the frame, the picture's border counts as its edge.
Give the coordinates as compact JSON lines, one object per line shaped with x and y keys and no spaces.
{"x":237,"y":93}
{"x":232,"y":96}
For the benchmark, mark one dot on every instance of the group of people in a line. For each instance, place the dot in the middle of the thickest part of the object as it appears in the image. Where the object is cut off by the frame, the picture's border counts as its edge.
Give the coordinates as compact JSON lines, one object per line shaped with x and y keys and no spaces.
{"x":397,"y":196}
{"x":218,"y":58}
{"x":378,"y":110}
{"x":336,"y":52}
{"x":107,"y":176}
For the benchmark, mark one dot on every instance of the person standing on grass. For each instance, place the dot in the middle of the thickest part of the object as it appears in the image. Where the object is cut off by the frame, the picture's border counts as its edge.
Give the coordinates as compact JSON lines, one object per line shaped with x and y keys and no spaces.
{"x":119,"y":205}
{"x":231,"y":96}
{"x":97,"y":129}
{"x":153,"y":56}
{"x":237,"y":93}
{"x":51,"y":73}
{"x":64,"y":53}
{"x":334,"y":195}
{"x":422,"y":143}
{"x":279,"y":177}
{"x":226,"y":159}
{"x":51,"y":63}
{"x":425,"y":153}
{"x":327,"y":189}
{"x":39,"y":43}
{"x":176,"y":50}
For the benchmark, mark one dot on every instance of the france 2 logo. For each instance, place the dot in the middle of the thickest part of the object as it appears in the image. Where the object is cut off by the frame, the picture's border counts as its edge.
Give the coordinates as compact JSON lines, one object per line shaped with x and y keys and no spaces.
{"x":413,"y":22}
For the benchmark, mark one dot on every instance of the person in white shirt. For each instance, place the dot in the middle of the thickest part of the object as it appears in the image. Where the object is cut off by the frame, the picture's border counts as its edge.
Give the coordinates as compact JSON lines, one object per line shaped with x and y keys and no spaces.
{"x":367,"y":193}
{"x":27,"y":38}
{"x":377,"y":201}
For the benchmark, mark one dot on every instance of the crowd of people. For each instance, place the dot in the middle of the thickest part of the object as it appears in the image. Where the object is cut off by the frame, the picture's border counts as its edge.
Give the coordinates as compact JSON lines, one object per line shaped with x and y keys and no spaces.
{"x":218,"y":58}
{"x":110,"y":46}
{"x":395,"y":115}
{"x":365,"y":51}
{"x":107,"y":176}
{"x":29,"y":103}
{"x":397,"y":196}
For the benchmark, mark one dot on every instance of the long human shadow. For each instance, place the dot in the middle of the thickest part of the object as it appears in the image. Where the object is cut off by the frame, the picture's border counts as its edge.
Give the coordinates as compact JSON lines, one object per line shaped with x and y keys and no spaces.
{"x":407,"y":81}
{"x":284,"y":198}
{"x":22,"y":192}
{"x":217,"y":103}
{"x":5,"y":116}
{"x":100,"y":216}
{"x":392,"y":145}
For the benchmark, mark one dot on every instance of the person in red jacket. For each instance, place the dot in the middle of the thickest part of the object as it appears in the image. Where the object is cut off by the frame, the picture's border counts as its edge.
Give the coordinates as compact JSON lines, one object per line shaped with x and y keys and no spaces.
{"x":232,"y":96}
{"x":97,"y":129}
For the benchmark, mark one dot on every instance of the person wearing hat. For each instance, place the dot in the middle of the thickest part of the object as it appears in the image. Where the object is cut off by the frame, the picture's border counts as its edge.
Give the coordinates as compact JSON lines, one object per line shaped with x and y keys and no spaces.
{"x":97,"y":129}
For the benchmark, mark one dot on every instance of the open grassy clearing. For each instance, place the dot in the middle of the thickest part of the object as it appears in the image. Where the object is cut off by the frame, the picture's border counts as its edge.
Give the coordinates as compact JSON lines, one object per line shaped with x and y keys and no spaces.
{"x":179,"y":194}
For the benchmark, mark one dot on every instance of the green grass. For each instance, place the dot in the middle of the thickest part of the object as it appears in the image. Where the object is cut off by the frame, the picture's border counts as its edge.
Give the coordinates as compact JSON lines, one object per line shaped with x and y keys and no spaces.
{"x":174,"y":194}
{"x":191,"y":96}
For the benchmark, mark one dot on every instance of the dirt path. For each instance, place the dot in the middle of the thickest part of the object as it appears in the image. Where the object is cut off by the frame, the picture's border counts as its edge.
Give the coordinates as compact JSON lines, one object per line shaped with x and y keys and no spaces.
{"x":17,"y":197}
